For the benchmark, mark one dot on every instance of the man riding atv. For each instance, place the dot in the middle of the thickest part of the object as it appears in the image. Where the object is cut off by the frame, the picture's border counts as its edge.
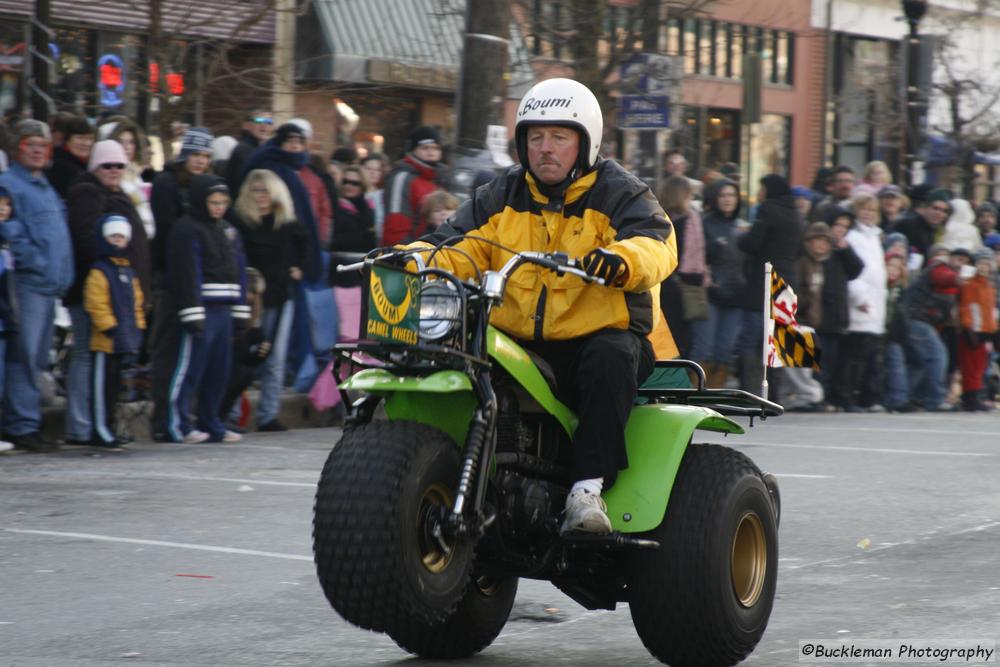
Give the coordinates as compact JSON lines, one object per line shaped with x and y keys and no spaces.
{"x":564,"y":198}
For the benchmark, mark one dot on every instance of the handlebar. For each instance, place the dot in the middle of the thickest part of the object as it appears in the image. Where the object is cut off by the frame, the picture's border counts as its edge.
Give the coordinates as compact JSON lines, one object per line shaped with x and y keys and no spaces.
{"x":558,"y":262}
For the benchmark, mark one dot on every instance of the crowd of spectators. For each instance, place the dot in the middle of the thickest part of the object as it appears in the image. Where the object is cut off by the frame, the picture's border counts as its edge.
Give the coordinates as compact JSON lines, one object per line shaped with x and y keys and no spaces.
{"x":203,"y":277}
{"x":900,"y":287}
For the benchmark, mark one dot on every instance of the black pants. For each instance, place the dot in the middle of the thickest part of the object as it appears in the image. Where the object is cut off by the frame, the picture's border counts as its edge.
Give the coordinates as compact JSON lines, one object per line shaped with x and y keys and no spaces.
{"x":106,"y":379}
{"x":165,"y":342}
{"x":599,"y":376}
{"x":858,"y":377}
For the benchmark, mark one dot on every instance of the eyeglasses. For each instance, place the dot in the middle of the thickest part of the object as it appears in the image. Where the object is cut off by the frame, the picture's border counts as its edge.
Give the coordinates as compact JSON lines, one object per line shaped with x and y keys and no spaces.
{"x":263,"y":120}
{"x":942,"y":209}
{"x":109,"y":166}
{"x":347,"y":182}
{"x":259,"y":191}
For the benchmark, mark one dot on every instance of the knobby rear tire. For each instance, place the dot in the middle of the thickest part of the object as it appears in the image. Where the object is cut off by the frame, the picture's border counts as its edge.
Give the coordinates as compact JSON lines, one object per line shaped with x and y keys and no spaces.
{"x":704,"y":597}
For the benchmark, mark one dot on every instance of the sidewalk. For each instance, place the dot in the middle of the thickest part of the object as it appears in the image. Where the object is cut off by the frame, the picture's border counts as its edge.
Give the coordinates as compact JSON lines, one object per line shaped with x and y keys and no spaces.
{"x":296,"y":413}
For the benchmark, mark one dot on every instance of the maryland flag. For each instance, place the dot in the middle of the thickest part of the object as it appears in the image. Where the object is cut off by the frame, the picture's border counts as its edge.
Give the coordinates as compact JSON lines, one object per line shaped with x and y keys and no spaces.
{"x":789,"y":343}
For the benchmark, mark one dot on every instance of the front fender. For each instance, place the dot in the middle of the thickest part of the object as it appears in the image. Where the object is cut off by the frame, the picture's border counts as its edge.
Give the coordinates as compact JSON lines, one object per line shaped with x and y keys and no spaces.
{"x":443,"y":399}
{"x":656,"y":438}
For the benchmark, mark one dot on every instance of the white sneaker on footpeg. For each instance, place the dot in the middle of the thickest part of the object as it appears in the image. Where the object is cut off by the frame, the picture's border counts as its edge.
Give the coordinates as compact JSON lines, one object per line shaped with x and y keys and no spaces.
{"x":586,"y":512}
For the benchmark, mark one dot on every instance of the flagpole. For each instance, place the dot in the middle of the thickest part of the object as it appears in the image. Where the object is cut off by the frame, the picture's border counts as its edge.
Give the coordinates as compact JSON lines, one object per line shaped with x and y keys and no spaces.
{"x":767,"y":327}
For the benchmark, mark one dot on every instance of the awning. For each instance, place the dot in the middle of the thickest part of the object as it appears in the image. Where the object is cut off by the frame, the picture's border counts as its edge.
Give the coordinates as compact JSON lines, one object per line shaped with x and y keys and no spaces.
{"x":402,"y":43}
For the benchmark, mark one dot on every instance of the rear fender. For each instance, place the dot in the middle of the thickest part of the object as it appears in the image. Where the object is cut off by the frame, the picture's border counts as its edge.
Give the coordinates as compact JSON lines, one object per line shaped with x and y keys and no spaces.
{"x":656,"y":438}
{"x":443,"y":400}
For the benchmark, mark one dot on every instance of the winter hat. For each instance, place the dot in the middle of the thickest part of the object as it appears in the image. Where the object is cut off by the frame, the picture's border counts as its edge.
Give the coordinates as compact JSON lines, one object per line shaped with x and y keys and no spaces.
{"x":992,"y":241}
{"x":108,"y":151}
{"x":30,"y":127}
{"x":344,"y":155}
{"x":307,"y":127}
{"x":890,"y":191}
{"x":287,"y":131}
{"x":78,"y":126}
{"x":984,"y":256}
{"x":895,"y":238}
{"x":802,"y":191}
{"x":818,"y":230}
{"x":918,"y":193}
{"x":423,"y":136}
{"x":776,"y":186}
{"x":963,"y":252}
{"x":939,"y":194}
{"x":116,"y":224}
{"x":222,"y":148}
{"x":196,"y":140}
{"x":936,"y":250}
{"x":987,"y":207}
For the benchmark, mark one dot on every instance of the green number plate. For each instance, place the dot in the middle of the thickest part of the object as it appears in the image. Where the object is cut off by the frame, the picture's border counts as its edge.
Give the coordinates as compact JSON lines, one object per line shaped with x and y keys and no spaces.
{"x":393,"y":313}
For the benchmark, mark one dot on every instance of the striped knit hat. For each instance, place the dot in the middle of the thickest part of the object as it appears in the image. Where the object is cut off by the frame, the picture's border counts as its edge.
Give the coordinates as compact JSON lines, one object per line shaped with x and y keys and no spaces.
{"x":196,"y":140}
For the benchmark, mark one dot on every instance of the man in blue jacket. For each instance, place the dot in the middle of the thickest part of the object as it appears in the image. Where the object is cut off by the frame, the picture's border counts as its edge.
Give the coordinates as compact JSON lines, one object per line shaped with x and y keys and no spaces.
{"x":43,"y":270}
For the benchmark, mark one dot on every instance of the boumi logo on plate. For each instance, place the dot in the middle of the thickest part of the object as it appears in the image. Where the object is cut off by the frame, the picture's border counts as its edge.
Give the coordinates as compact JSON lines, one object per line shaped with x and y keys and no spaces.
{"x":393,"y":305}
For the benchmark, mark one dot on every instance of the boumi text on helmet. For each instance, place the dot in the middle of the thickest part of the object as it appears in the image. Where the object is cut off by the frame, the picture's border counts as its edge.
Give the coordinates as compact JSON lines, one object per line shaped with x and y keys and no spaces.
{"x":561,"y":102}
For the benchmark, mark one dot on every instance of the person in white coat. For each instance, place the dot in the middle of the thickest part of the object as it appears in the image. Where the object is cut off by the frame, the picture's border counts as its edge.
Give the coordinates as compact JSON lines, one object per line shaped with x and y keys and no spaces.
{"x":859,"y":376}
{"x":961,"y":230}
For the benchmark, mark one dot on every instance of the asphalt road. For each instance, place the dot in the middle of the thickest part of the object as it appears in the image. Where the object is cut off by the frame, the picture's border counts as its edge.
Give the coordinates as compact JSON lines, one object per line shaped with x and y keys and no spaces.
{"x":201,"y":555}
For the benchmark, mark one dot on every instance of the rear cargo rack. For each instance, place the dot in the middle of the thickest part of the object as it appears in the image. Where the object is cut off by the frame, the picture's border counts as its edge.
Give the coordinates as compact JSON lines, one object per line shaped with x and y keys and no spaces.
{"x":729,"y":402}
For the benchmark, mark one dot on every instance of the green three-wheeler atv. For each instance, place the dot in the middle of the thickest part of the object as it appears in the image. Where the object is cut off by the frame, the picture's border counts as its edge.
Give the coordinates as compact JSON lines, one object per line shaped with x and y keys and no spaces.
{"x":426,"y":519}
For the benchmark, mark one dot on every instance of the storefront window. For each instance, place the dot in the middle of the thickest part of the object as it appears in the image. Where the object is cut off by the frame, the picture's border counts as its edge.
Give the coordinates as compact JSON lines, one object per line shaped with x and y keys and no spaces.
{"x":71,"y":82}
{"x":722,"y":132}
{"x":13,"y":50}
{"x":690,"y":47}
{"x":770,"y":144}
{"x":673,"y":37}
{"x":721,"y":50}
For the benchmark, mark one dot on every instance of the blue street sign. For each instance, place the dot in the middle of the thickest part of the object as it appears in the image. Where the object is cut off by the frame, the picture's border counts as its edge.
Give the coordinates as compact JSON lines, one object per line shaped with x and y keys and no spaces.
{"x":642,"y":112}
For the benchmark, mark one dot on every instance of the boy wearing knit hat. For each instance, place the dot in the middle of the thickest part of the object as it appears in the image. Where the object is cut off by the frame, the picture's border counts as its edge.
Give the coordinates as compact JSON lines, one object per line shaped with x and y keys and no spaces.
{"x":413,"y":178}
{"x":114,"y":301}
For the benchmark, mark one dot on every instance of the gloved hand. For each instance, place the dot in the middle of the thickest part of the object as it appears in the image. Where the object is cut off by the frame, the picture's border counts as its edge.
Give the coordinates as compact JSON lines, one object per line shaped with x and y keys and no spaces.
{"x":194,"y":327}
{"x":601,"y":263}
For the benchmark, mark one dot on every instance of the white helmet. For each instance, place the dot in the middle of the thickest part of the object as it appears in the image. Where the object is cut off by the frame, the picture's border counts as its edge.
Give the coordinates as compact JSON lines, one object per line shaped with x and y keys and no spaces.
{"x":561,"y":102}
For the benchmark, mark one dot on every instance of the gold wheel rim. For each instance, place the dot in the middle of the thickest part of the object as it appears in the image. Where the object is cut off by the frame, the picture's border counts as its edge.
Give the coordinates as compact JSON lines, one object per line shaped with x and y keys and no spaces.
{"x":432,"y":555}
{"x":748,"y":566}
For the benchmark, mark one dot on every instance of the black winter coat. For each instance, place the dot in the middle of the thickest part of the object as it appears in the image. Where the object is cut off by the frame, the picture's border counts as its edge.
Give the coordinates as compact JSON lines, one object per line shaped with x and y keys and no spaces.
{"x":170,"y":201}
{"x":724,"y":258}
{"x":842,"y":266}
{"x":273,"y":252}
{"x":86,"y":203}
{"x":65,"y":169}
{"x":353,"y":231}
{"x":205,"y":261}
{"x":775,"y":237}
{"x":917,"y":230}
{"x":237,"y":161}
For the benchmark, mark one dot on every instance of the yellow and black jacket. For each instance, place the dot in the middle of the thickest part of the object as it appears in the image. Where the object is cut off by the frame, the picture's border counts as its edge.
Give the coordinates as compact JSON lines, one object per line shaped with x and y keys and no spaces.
{"x":606,"y":208}
{"x":114,"y":300}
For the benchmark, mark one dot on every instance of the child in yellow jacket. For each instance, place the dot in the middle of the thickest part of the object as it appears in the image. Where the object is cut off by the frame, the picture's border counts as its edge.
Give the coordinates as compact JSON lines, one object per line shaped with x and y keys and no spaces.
{"x":978,"y":316}
{"x":113,"y":299}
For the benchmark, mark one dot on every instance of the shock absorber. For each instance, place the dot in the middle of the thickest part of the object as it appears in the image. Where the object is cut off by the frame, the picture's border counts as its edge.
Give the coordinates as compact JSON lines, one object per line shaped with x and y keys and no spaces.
{"x":475,"y":440}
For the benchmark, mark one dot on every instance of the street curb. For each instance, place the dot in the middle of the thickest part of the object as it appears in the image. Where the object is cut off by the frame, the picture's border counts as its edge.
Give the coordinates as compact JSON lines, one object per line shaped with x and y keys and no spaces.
{"x":296,"y":412}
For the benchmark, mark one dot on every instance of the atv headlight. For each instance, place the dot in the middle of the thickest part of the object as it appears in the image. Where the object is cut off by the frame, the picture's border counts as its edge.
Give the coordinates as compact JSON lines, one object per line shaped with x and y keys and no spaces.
{"x":440,"y":310}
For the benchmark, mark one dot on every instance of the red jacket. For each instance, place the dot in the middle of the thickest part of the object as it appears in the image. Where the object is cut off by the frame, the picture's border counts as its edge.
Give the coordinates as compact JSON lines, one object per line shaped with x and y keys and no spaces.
{"x":410,"y":181}
{"x":322,"y":206}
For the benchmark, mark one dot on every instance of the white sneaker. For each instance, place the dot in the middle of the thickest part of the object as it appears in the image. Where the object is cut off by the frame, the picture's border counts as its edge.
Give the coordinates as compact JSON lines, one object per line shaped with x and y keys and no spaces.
{"x":586,"y":512}
{"x":195,"y":436}
{"x":5,"y":446}
{"x":231,"y":436}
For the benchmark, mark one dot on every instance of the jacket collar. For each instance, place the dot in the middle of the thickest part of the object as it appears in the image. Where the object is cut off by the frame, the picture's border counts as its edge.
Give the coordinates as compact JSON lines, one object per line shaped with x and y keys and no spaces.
{"x":424,"y":169}
{"x":576,"y":189}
